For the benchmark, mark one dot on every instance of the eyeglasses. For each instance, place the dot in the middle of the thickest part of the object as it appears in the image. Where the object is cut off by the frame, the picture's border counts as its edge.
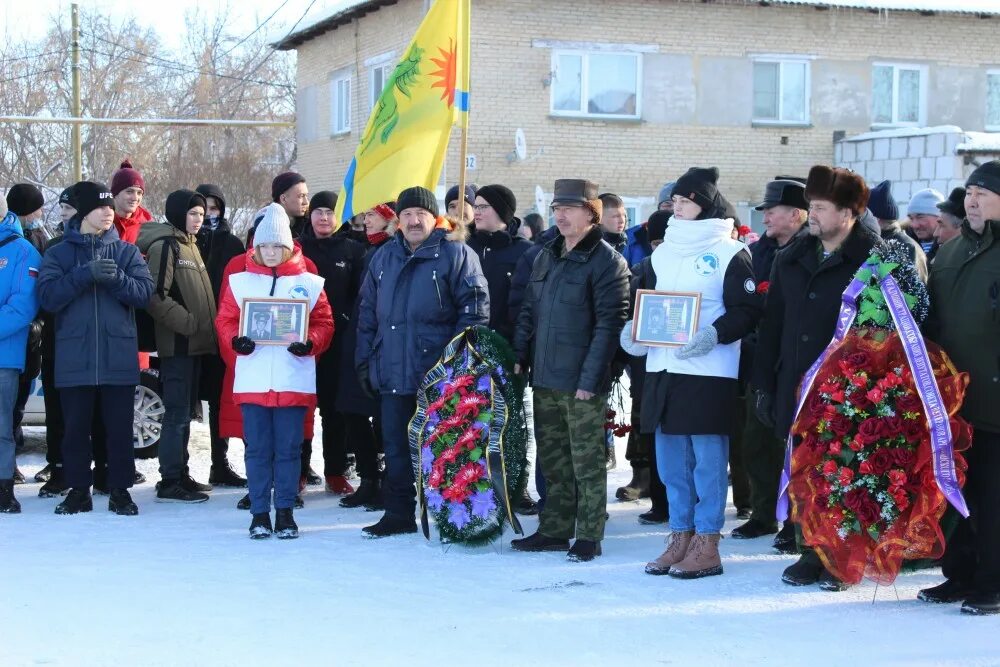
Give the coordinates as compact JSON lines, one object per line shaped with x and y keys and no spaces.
{"x":479,"y":208}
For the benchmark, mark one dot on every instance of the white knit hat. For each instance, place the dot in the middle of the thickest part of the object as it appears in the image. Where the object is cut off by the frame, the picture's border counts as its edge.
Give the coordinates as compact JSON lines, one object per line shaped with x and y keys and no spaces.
{"x":274,"y":227}
{"x":925,"y":201}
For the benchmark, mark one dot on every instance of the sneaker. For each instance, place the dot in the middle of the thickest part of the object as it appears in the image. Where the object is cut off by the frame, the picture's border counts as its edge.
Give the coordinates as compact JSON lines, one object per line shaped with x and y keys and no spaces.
{"x":338,"y":485}
{"x":753,"y":529}
{"x":44,"y":474}
{"x":284,"y":525}
{"x":121,"y":503}
{"x":806,"y":571}
{"x":77,"y":500}
{"x":583,"y":551}
{"x":55,"y":485}
{"x":8,"y":503}
{"x":244,"y":503}
{"x":367,"y":492}
{"x":190,"y":484}
{"x":223,"y":475}
{"x":388,"y":526}
{"x":830,"y":583}
{"x":260,"y":526}
{"x":175,"y":492}
{"x":982,"y":604}
{"x":539,"y":542}
{"x":312,"y":478}
{"x":653,"y":517}
{"x":784,"y":541}
{"x":949,"y":591}
{"x":18,"y":476}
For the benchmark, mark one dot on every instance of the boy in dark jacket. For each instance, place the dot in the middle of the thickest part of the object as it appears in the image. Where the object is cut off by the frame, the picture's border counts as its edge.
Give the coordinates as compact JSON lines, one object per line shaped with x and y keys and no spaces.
{"x":92,"y":282}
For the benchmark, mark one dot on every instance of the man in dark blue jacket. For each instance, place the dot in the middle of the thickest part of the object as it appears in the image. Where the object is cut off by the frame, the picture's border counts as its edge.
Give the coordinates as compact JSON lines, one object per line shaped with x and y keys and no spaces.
{"x":92,"y":282}
{"x":421,"y":289}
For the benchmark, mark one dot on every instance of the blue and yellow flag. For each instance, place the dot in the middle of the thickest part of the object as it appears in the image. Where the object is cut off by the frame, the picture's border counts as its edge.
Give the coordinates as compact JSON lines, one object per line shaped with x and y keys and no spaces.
{"x":407,"y":134}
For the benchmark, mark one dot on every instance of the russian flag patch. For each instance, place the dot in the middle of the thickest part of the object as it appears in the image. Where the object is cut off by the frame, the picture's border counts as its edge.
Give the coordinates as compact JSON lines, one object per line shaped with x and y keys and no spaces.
{"x":32,"y":272}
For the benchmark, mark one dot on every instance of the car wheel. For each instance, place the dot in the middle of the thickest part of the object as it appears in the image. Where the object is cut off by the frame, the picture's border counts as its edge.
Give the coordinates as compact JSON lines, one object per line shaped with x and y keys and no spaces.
{"x":147,"y":419}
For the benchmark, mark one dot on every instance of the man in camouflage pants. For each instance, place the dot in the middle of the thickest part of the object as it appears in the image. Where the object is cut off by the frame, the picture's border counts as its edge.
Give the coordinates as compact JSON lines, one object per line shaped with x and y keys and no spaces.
{"x":567,"y":332}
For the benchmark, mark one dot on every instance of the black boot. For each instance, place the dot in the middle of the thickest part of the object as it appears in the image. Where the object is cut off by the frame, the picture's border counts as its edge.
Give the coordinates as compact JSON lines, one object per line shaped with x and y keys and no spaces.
{"x":784,"y":541}
{"x":539,"y":542}
{"x":56,"y":484}
{"x":138,"y":478}
{"x":805,"y":571}
{"x":120,"y":502}
{"x":244,"y":503}
{"x":284,"y":525}
{"x":8,"y":503}
{"x":584,"y":550}
{"x":77,"y":500}
{"x":982,"y":604}
{"x":299,"y":503}
{"x":949,"y":591}
{"x":378,"y":502}
{"x":638,"y":486}
{"x":610,"y":461}
{"x":753,"y":529}
{"x":526,"y":506}
{"x":190,"y":484}
{"x":222,"y":474}
{"x":653,"y":517}
{"x":367,"y":492}
{"x":828,"y":582}
{"x":44,"y":474}
{"x":260,"y":526}
{"x":389,"y":525}
{"x":312,"y":478}
{"x":18,"y":476}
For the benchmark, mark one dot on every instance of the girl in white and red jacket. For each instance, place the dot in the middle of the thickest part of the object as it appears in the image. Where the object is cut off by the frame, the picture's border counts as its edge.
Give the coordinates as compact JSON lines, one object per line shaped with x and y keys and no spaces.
{"x":274,"y":385}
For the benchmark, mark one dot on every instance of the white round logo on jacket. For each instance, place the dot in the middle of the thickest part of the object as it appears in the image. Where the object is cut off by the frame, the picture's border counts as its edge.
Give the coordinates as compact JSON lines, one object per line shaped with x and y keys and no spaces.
{"x":706,"y":264}
{"x":750,"y":286}
{"x":299,"y":292}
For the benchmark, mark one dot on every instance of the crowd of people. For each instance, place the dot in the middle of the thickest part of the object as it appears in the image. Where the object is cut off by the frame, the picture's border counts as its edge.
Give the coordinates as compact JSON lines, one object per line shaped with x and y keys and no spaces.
{"x":385,"y":293}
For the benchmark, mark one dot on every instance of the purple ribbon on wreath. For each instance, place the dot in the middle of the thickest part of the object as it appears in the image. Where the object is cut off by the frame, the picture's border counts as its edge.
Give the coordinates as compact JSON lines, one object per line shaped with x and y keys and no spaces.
{"x":945,"y":472}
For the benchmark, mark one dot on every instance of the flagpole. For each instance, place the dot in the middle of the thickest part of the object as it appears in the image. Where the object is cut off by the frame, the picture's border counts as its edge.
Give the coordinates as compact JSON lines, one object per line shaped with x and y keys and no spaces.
{"x":464,"y":142}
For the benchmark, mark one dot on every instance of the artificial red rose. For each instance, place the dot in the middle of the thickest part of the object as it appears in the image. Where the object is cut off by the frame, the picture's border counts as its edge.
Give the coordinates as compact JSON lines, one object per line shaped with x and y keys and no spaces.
{"x":914,"y":430}
{"x":763,"y":286}
{"x":875,"y":395}
{"x":892,"y":426}
{"x":902,"y":458}
{"x":869,"y":513}
{"x":835,"y":447}
{"x":856,"y":444}
{"x":828,"y":387}
{"x":846,"y":476}
{"x":815,"y":405}
{"x":840,"y":425}
{"x":863,"y":506}
{"x":901,"y":498}
{"x":897,"y":477}
{"x":822,"y":501}
{"x":838,"y":396}
{"x":858,"y":360}
{"x":881,"y":461}
{"x":909,"y":402}
{"x":829,"y":467}
{"x":865,"y":468}
{"x":870,"y":430}
{"x":859,"y":381}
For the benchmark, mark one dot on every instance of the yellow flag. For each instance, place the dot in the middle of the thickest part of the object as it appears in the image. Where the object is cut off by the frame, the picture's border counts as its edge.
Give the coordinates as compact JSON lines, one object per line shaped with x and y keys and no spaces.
{"x":407,"y":134}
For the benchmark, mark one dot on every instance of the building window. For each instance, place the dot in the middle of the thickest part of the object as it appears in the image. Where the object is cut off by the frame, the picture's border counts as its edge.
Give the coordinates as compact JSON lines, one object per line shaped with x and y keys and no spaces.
{"x":781,"y":91}
{"x":993,"y":100}
{"x":340,"y":104}
{"x":596,"y":84}
{"x":898,"y":94}
{"x":379,"y":75}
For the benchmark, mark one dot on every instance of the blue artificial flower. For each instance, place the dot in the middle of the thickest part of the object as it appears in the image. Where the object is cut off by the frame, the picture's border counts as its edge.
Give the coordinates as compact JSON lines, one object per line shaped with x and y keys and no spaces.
{"x":483,"y":503}
{"x":484,"y":384}
{"x":426,"y":459}
{"x":434,"y":499}
{"x":458,"y":515}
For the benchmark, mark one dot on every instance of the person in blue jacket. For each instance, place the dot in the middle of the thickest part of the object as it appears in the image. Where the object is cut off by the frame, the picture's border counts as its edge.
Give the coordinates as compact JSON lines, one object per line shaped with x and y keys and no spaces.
{"x":19,"y":263}
{"x":91,"y":283}
{"x":421,"y":289}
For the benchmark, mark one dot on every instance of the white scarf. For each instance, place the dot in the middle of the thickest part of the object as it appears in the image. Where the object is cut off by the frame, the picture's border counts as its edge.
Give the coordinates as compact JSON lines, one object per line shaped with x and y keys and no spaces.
{"x":692,"y":237}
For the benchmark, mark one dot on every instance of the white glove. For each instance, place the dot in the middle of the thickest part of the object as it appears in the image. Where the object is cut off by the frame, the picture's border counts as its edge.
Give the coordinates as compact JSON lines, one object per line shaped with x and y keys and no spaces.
{"x":629,"y":345}
{"x":704,"y":340}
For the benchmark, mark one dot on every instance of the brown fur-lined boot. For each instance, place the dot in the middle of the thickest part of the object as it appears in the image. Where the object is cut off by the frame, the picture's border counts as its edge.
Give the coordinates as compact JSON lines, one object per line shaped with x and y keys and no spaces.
{"x":675,"y":552}
{"x":702,"y":559}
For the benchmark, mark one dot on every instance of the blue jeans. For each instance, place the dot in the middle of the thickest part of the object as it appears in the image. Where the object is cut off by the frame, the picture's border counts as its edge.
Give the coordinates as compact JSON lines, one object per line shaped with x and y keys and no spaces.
{"x":8,"y":395}
{"x":693,"y":468}
{"x":398,"y":489}
{"x":273,"y":438}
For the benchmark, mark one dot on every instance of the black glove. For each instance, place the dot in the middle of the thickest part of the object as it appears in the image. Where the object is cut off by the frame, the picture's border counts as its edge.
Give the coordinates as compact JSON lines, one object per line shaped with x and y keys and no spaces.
{"x":35,"y":335}
{"x":365,"y":381}
{"x":243,"y":345}
{"x":301,"y":349}
{"x":103,"y":270}
{"x":764,"y":408}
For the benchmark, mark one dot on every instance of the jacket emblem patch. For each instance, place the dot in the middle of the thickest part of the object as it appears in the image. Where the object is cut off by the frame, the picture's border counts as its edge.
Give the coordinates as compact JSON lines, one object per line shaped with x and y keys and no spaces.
{"x":706,"y":264}
{"x":3,"y":262}
{"x":750,"y":286}
{"x":299,"y":292}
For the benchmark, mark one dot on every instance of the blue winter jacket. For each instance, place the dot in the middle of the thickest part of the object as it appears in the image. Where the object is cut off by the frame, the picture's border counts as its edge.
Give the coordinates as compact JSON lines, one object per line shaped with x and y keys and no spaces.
{"x":94,"y":323}
{"x":412,"y":305}
{"x":19,"y":264}
{"x":637,"y":247}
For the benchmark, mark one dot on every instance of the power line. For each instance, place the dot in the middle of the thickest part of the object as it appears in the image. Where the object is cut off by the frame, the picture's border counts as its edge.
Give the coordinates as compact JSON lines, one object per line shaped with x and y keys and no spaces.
{"x":255,"y":30}
{"x":33,"y":57}
{"x":28,"y":75}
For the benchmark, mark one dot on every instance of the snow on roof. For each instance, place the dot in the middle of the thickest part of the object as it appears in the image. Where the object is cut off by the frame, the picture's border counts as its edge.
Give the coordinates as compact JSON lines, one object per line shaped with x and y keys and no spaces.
{"x":906,"y":132}
{"x":980,"y":142}
{"x":949,"y":6}
{"x":327,"y":16}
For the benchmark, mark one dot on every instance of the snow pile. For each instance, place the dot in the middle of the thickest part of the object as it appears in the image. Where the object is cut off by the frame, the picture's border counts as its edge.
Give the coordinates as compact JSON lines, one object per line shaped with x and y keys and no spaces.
{"x":950,"y":6}
{"x":980,"y":142}
{"x":906,"y":132}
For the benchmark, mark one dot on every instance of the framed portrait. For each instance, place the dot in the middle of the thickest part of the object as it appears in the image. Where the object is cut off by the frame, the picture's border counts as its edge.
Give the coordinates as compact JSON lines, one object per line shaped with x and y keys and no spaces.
{"x":275,"y":321}
{"x":665,"y":319}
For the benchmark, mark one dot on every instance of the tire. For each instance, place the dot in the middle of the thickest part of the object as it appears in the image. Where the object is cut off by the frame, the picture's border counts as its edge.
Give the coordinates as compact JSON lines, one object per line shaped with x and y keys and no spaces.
{"x":148,"y":416}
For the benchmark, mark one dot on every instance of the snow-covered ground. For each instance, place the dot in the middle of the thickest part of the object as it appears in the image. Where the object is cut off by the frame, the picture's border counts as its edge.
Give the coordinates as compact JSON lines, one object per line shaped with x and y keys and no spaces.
{"x":184,"y":585}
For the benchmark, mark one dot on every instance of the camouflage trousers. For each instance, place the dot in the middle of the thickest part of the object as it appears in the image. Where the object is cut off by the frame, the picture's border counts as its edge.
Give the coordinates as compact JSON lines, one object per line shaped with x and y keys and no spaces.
{"x":569,"y":442}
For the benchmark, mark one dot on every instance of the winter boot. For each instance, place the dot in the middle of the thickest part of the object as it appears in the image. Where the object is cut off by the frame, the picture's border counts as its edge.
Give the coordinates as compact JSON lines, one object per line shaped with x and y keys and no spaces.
{"x":584,"y":550}
{"x":174,"y":491}
{"x":806,"y":571}
{"x":539,"y":542}
{"x":367,"y":491}
{"x":338,"y":485}
{"x":701,"y":560}
{"x":828,"y":582}
{"x":138,"y":478}
{"x":188,"y":483}
{"x":244,"y":503}
{"x":44,"y":474}
{"x":676,"y":550}
{"x":77,"y":500}
{"x":284,"y":525}
{"x":784,"y":541}
{"x":753,"y":529}
{"x":260,"y":526}
{"x":121,"y":503}
{"x":389,"y":525}
{"x":18,"y":475}
{"x":312,"y":478}
{"x":378,"y":502}
{"x":653,"y":517}
{"x":222,"y":474}
{"x":526,"y":506}
{"x":638,"y":486}
{"x":949,"y":591}
{"x":982,"y":604}
{"x":299,"y":502}
{"x":609,"y":458}
{"x":55,"y":485}
{"x":8,"y":503}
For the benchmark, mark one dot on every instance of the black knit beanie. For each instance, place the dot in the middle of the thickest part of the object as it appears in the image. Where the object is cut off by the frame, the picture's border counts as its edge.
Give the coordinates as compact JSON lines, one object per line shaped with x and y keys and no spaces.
{"x":283,"y":181}
{"x":656,"y":226}
{"x":24,"y":199}
{"x":985,"y":176}
{"x":417,"y":197}
{"x":699,"y":185}
{"x":323,"y":199}
{"x":501,"y":199}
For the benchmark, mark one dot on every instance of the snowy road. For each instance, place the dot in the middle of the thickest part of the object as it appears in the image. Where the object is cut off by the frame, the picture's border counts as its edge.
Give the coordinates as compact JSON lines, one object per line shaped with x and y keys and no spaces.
{"x":183,"y":585}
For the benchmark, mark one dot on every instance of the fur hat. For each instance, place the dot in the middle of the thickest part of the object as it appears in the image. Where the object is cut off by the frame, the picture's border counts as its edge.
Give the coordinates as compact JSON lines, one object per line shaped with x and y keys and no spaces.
{"x":843,"y":187}
{"x":126,"y":177}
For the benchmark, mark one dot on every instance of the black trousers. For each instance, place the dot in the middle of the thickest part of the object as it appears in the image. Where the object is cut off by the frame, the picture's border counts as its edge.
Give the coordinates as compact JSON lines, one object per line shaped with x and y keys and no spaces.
{"x":972,"y":556}
{"x":54,"y":428}
{"x":365,"y":435}
{"x":114,"y":405}
{"x":737,"y":469}
{"x":763,"y":458}
{"x":334,"y":439}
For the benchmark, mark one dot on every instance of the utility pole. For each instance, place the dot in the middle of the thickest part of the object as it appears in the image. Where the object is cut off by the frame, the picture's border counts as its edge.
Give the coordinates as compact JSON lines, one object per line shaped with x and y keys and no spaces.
{"x":77,"y":144}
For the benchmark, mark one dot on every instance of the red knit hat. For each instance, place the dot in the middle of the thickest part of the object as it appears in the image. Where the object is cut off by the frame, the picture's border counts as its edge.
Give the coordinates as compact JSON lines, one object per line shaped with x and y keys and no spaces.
{"x":125,"y":178}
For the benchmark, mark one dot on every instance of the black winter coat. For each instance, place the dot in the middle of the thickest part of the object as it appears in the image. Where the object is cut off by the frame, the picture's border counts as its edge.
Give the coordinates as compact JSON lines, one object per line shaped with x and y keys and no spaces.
{"x":800,"y":315}
{"x":522,"y":273}
{"x":574,"y":309}
{"x":217,"y":247}
{"x":499,"y":254}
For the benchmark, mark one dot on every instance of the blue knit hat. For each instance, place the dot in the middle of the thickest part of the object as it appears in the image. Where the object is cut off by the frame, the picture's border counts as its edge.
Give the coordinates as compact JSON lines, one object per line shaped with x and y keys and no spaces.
{"x":925,"y":202}
{"x":881,"y":203}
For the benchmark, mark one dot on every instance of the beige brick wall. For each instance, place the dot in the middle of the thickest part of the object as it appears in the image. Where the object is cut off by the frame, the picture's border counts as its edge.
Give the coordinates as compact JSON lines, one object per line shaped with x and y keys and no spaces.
{"x":631,"y":158}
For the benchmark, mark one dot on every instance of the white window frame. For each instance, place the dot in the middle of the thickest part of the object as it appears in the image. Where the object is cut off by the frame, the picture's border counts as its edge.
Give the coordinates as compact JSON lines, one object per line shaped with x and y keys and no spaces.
{"x":922,"y":110}
{"x":584,"y":84}
{"x":643,"y":207}
{"x":995,"y":127}
{"x":337,"y":127}
{"x":781,"y":61}
{"x":385,"y":63}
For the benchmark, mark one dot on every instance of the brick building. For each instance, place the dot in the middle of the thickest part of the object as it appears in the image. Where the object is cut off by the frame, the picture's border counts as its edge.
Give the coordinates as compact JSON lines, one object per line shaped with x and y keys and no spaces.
{"x":630,"y":93}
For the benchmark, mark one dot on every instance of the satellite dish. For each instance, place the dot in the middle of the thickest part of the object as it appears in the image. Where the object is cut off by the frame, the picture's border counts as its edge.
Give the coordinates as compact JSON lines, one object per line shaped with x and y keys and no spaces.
{"x":520,"y":145}
{"x":540,"y":200}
